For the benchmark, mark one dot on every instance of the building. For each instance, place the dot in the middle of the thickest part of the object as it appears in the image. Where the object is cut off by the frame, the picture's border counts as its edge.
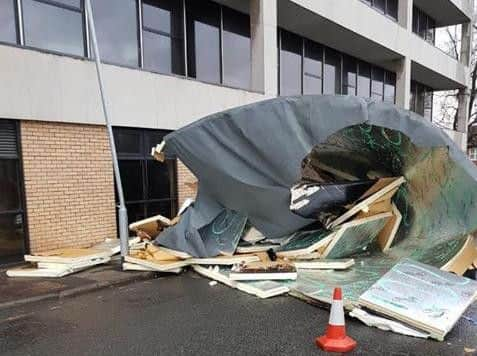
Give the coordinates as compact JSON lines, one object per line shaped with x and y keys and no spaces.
{"x":170,"y":62}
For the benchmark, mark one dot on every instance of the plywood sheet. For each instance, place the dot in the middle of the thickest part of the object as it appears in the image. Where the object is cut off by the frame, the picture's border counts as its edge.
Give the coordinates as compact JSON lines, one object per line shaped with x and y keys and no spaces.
{"x":68,"y":255}
{"x":355,"y":236}
{"x":422,"y":296}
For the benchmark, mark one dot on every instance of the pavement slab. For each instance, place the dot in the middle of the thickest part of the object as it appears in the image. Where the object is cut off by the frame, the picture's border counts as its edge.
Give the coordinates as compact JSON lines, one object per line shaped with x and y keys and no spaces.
{"x":18,"y":291}
{"x":184,"y":315}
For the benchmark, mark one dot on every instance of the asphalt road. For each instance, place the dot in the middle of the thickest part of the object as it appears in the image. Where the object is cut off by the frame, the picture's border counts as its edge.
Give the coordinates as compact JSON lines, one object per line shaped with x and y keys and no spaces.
{"x":183,"y":315}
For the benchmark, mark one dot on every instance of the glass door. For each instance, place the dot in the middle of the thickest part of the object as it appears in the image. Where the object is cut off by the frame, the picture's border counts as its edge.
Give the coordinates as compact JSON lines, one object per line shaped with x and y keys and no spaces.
{"x":12,"y":216}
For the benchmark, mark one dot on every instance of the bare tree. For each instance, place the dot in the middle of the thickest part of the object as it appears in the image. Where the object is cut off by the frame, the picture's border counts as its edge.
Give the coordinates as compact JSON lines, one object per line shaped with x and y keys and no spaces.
{"x":446,"y":102}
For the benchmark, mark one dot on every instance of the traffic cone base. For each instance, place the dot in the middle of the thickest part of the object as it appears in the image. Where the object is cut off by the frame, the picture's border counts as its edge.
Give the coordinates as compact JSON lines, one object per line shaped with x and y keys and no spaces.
{"x":345,"y":344}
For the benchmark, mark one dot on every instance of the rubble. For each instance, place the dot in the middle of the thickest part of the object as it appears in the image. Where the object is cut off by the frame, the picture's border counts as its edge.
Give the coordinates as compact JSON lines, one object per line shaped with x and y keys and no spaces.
{"x":62,"y":262}
{"x":340,"y":178}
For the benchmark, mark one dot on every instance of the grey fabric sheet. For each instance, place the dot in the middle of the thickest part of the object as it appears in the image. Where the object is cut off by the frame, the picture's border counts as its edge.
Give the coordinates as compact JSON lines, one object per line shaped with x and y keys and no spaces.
{"x":247,"y":158}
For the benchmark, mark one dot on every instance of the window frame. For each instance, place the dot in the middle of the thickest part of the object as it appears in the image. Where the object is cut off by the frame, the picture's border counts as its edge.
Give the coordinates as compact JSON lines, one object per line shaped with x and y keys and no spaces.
{"x":84,"y":27}
{"x":144,"y":157}
{"x":18,"y":25}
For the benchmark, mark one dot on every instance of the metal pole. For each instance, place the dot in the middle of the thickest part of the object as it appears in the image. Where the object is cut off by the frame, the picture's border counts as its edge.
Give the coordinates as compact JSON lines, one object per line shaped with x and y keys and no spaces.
{"x":122,"y":212}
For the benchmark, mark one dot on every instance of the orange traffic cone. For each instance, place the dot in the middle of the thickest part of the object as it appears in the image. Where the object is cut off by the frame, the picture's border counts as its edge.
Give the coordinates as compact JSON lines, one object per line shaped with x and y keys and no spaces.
{"x":335,"y":339}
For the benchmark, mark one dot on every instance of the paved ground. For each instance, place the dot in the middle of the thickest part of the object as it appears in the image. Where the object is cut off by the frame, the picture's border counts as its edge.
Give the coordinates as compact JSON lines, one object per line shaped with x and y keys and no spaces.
{"x":16,"y":291}
{"x":183,"y":315}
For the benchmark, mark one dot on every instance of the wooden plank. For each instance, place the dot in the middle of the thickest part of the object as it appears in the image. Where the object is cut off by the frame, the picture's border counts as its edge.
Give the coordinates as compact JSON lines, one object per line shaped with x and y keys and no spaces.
{"x":373,"y":194}
{"x":127,"y":266}
{"x":337,"y":264}
{"x":68,"y":255}
{"x":151,"y":226}
{"x":157,"y":265}
{"x":386,"y":236}
{"x":464,"y":259}
{"x":224,"y":260}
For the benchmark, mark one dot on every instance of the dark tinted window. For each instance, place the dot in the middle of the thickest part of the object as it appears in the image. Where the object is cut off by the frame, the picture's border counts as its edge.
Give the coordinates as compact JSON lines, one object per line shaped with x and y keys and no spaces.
{"x":422,"y":25}
{"x":149,"y":186}
{"x":430,"y":33}
{"x":364,"y":80}
{"x":163,"y":38}
{"x":332,"y":72}
{"x":392,"y":8}
{"x":9,"y":185}
{"x":8,"y":31}
{"x":12,"y":237}
{"x":236,"y":51}
{"x":312,"y":68}
{"x":159,"y":180}
{"x":203,"y":40}
{"x":349,"y":75}
{"x":128,"y":142}
{"x":12,"y":229}
{"x":415,"y":20}
{"x":116,"y":27}
{"x":290,"y":64}
{"x":54,"y":27}
{"x":390,"y":87}
{"x":380,"y":5}
{"x":377,"y":83}
{"x":131,"y":176}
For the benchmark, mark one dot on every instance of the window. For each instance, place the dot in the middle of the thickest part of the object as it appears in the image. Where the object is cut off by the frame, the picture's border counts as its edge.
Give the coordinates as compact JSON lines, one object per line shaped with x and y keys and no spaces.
{"x":56,"y":26}
{"x":392,"y":8}
{"x":387,"y":7}
{"x":421,"y":99}
{"x":236,"y":48}
{"x":312,"y":68}
{"x":163,"y":36}
{"x":349,"y":75}
{"x":390,"y":87}
{"x":364,"y":80}
{"x":332,"y":72}
{"x":149,"y":186}
{"x":116,"y":28}
{"x":290,"y":64}
{"x":423,"y":25}
{"x":8,"y":26}
{"x":203,"y":41}
{"x":473,"y":153}
{"x":12,"y":218}
{"x":377,"y":84}
{"x":380,"y":5}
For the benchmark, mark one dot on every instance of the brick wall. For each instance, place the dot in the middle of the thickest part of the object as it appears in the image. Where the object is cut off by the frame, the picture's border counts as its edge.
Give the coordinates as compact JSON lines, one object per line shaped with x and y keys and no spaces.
{"x":68,"y":184}
{"x":184,"y":176}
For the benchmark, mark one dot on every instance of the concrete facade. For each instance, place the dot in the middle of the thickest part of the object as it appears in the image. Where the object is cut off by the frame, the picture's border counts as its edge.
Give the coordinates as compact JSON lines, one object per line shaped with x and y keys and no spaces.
{"x":56,"y":98}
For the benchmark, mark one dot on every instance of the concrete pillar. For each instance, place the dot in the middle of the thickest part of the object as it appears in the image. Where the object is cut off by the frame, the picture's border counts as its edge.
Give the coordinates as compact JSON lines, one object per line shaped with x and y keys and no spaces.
{"x":405,"y":13}
{"x":403,"y":83}
{"x":463,"y":96}
{"x":263,"y":22}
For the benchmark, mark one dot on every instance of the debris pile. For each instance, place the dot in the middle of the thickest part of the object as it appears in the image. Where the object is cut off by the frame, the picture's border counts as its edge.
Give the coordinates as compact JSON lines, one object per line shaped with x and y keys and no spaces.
{"x":66,"y":261}
{"x":360,"y":188}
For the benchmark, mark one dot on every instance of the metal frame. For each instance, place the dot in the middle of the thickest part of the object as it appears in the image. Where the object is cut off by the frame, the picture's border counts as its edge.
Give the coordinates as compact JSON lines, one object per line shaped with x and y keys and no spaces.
{"x":140,"y":34}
